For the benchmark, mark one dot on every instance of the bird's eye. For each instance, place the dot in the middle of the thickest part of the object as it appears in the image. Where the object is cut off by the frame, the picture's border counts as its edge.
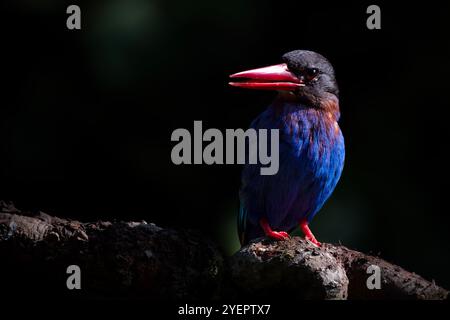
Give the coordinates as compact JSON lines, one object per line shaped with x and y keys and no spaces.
{"x":311,"y":74}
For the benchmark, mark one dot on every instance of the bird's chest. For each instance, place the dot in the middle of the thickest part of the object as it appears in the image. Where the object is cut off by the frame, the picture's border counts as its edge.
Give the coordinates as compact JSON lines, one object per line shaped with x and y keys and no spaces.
{"x":312,"y":144}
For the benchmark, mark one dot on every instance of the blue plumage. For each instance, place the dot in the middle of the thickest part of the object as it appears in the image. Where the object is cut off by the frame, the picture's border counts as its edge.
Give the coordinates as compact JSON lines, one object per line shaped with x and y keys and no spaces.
{"x":311,"y":154}
{"x":311,"y":161}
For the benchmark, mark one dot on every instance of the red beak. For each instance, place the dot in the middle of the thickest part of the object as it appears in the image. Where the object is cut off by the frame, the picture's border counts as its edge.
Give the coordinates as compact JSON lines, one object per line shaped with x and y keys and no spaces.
{"x":277,"y":77}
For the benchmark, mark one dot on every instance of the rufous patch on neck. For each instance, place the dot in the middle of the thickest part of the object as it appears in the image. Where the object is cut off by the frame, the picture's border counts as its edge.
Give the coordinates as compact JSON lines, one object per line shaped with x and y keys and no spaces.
{"x":331,"y":106}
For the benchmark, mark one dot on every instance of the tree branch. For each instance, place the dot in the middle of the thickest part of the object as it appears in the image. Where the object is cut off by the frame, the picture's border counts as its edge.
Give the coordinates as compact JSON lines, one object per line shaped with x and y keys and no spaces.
{"x":117,"y":259}
{"x":136,"y":259}
{"x":329,"y":272}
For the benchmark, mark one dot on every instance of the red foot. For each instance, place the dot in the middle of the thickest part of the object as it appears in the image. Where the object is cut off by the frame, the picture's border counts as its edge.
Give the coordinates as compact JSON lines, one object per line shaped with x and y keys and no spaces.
{"x":278,"y":235}
{"x":308,"y":234}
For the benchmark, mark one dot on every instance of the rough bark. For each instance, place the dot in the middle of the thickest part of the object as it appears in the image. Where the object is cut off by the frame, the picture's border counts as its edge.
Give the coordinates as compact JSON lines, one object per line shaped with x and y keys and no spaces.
{"x":329,"y":272}
{"x":137,"y":259}
{"x":117,"y":259}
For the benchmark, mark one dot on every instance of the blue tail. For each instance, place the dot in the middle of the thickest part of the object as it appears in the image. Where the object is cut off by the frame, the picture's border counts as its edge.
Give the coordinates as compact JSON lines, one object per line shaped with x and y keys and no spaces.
{"x":242,"y":224}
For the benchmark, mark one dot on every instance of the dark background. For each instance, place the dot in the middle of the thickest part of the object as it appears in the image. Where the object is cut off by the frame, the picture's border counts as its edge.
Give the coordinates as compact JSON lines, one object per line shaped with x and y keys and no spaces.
{"x":86,"y":116}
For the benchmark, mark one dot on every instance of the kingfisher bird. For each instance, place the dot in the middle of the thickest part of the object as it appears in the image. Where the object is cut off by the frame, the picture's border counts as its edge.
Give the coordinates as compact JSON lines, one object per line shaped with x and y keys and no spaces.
{"x":311,"y":147}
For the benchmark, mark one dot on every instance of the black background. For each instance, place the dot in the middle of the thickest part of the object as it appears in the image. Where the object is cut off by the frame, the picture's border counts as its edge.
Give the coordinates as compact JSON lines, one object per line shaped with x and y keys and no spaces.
{"x":86,"y":116}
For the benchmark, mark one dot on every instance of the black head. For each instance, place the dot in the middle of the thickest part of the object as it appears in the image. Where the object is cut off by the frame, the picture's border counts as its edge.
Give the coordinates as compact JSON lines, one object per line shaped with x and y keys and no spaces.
{"x":314,"y":70}
{"x":304,"y":75}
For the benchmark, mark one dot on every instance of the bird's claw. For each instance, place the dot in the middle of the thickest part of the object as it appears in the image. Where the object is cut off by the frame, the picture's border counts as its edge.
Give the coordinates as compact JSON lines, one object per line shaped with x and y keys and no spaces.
{"x":313,"y":240}
{"x":278,"y":235}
